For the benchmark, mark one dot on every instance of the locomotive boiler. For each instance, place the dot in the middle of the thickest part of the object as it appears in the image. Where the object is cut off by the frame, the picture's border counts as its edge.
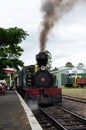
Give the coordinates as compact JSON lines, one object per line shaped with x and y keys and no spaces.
{"x":42,"y":78}
{"x":40,"y":85}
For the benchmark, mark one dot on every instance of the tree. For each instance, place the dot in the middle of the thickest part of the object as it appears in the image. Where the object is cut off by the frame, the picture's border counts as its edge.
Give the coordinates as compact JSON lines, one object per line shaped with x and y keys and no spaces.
{"x":49,"y":64}
{"x":69,"y":64}
{"x":80,"y":65}
{"x":55,"y":69}
{"x":10,"y":51}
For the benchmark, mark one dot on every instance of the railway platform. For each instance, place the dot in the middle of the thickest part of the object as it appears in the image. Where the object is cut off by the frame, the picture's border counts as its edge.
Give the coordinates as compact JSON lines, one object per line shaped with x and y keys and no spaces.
{"x":15,"y":114}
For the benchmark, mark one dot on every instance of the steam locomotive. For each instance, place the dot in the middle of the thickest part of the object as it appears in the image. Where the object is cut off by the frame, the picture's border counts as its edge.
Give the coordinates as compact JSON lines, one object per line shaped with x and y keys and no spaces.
{"x":40,"y":85}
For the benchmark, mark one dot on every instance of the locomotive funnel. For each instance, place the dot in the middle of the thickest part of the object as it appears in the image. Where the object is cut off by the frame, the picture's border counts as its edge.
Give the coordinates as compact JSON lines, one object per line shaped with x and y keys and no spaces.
{"x":41,"y":59}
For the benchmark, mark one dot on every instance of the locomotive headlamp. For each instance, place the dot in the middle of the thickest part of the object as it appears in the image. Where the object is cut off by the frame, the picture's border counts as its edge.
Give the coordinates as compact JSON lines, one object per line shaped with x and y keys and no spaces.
{"x":43,"y":67}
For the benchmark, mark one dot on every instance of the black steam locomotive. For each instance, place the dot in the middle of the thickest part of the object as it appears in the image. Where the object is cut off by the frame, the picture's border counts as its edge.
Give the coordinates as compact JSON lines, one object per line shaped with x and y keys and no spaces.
{"x":40,"y":85}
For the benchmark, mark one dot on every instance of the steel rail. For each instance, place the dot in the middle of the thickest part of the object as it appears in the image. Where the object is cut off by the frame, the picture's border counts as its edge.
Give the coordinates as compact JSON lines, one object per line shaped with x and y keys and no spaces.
{"x":53,"y":120}
{"x":65,"y":126}
{"x":74,"y":98}
{"x":76,"y":115}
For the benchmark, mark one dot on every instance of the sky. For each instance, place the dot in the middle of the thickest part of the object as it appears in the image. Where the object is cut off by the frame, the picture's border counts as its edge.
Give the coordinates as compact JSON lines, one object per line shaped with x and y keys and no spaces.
{"x":66,"y":41}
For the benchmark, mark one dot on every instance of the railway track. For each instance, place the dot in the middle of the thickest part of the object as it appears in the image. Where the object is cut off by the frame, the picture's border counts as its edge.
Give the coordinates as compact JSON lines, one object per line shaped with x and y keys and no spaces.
{"x":44,"y":121}
{"x":74,"y":98}
{"x":58,"y":118}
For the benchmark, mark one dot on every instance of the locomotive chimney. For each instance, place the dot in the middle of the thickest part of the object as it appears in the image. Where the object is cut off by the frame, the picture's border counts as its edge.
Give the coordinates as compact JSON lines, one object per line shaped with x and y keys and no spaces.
{"x":42,"y":59}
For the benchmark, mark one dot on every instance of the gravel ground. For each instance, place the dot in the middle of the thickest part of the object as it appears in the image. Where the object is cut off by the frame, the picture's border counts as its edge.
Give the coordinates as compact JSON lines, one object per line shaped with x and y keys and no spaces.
{"x":77,"y":107}
{"x":12,"y":115}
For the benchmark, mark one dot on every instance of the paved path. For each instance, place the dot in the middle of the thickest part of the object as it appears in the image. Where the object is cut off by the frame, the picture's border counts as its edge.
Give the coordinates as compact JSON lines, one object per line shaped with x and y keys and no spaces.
{"x":12,"y":114}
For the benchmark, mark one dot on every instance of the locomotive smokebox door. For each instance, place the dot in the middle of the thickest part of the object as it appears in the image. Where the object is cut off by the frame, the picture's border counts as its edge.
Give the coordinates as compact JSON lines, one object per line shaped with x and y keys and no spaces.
{"x":42,"y":79}
{"x":42,"y":59}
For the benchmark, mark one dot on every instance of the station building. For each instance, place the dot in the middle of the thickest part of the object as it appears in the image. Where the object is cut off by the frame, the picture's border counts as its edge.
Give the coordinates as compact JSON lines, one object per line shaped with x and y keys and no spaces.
{"x":61,"y":73}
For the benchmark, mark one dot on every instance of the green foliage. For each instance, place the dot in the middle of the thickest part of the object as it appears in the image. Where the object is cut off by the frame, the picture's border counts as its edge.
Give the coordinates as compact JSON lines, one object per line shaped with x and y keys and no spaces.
{"x":3,"y":36}
{"x":49,"y":64}
{"x":69,"y":64}
{"x":80,"y":65}
{"x":13,"y":51}
{"x":2,"y":74}
{"x":55,"y":69}
{"x":10,"y":51}
{"x":12,"y":36}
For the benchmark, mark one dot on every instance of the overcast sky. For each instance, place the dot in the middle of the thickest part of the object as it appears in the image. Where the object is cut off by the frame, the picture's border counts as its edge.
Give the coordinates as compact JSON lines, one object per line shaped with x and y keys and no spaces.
{"x":67,"y":40}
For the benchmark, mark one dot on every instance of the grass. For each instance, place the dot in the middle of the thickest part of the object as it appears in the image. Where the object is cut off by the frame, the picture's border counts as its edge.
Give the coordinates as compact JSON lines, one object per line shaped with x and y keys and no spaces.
{"x":75,"y":92}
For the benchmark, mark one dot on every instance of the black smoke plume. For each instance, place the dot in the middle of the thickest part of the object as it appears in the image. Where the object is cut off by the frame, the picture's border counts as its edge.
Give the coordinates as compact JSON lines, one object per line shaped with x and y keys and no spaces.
{"x":53,"y":10}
